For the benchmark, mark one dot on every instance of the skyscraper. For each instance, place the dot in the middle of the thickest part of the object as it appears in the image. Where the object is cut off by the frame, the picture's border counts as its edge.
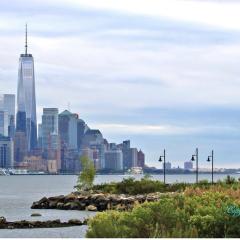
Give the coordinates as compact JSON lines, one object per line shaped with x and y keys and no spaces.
{"x":7,"y":104}
{"x":3,"y":123}
{"x":26,"y":99}
{"x":49,"y":125}
{"x":67,"y":123}
{"x":114,"y":160}
{"x":6,"y":152}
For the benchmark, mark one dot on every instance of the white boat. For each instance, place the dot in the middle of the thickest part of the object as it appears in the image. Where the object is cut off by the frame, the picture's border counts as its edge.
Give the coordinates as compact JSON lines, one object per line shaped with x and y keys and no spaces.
{"x":135,"y":170}
{"x":18,"y":171}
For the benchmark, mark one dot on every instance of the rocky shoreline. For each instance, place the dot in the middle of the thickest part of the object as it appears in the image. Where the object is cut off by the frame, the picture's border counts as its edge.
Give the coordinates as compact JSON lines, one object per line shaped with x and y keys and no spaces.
{"x":95,"y":201}
{"x":4,"y":224}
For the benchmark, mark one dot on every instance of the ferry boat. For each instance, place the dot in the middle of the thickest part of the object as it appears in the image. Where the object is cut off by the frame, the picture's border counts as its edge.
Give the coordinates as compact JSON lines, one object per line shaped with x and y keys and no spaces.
{"x":135,"y":170}
{"x":18,"y":171}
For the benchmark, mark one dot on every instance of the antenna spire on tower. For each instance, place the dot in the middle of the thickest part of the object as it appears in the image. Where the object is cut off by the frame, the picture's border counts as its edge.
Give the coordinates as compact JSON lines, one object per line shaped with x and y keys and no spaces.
{"x":26,"y":39}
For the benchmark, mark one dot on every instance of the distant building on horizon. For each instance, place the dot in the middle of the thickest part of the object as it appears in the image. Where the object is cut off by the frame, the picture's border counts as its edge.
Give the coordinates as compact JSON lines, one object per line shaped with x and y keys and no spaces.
{"x":168,"y":165}
{"x":114,"y":160}
{"x":26,"y":99}
{"x":67,"y":126}
{"x":188,"y":165}
{"x":6,"y":152}
{"x":140,"y":159}
{"x":93,"y":139}
{"x":4,"y":123}
{"x":7,"y":104}
{"x":20,"y":147}
{"x":49,"y":125}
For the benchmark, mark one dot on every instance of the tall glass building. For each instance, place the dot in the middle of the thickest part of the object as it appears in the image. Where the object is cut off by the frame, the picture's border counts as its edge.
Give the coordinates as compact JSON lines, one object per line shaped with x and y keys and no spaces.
{"x":26,"y":99}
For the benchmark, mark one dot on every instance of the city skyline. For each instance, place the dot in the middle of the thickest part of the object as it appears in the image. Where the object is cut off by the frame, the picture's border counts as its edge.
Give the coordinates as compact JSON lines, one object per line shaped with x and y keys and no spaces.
{"x":141,"y":90}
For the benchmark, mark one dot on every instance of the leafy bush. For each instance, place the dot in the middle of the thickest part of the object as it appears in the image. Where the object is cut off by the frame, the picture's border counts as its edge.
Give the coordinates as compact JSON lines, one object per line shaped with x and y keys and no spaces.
{"x":145,"y":185}
{"x":185,"y":215}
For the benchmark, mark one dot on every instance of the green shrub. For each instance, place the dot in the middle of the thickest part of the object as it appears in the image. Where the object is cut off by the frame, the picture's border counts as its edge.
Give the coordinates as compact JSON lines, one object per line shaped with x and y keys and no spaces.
{"x":172,"y":216}
{"x":145,"y":185}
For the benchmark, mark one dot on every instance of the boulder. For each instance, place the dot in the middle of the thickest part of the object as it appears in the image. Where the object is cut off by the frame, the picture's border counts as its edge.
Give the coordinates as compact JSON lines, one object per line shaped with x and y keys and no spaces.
{"x":57,"y":198}
{"x":35,"y":205}
{"x":3,"y":220}
{"x":43,"y":200}
{"x":81,"y":206}
{"x":91,"y":208}
{"x":60,"y":205}
{"x":56,"y":221}
{"x":75,"y":222}
{"x":71,"y":205}
{"x":102,"y":206}
{"x":69,"y":197}
{"x":36,"y":215}
{"x":52,"y":204}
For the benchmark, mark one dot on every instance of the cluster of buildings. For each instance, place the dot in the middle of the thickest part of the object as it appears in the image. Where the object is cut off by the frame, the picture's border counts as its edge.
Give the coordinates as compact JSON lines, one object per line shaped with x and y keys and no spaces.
{"x":57,"y":143}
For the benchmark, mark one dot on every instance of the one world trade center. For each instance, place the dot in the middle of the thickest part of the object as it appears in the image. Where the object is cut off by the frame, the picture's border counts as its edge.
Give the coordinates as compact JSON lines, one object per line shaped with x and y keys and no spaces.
{"x":26,"y":99}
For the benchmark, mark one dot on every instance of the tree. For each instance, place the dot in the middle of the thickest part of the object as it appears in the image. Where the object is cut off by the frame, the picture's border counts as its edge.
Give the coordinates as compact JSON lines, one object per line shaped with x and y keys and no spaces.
{"x":87,"y":175}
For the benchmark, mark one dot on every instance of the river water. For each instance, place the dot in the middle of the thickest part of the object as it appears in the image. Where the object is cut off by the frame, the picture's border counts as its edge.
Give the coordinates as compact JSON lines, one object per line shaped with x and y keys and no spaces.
{"x":18,"y":192}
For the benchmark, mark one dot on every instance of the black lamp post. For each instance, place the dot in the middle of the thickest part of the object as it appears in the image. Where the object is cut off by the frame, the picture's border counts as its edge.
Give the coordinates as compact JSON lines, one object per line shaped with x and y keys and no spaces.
{"x":164,"y":164}
{"x":210,"y":159}
{"x":193,"y":159}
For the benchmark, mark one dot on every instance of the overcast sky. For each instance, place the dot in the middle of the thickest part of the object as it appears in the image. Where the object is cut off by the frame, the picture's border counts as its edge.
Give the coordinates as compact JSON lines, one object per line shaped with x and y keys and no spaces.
{"x":162,"y":73}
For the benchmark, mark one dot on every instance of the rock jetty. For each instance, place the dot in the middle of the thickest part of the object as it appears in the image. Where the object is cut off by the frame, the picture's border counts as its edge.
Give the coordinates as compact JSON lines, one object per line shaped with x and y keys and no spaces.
{"x":95,"y":201}
{"x":4,"y":224}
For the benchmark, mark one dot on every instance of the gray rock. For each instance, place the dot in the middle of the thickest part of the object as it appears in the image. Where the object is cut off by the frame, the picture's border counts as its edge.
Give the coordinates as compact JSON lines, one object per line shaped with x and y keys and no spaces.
{"x":3,"y":220}
{"x":60,"y":205}
{"x":91,"y":208}
{"x":36,"y":215}
{"x":52,"y":204}
{"x":57,"y":198}
{"x":43,"y":200}
{"x":75,"y":222}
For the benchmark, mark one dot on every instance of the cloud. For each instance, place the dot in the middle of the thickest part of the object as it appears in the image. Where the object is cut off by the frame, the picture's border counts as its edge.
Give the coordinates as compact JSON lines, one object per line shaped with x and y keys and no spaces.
{"x":124,"y":129}
{"x":166,"y":71}
{"x":211,"y":13}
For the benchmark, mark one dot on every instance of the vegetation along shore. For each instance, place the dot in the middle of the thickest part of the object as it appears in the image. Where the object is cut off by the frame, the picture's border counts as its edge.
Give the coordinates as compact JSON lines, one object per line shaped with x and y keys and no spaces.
{"x":147,"y":208}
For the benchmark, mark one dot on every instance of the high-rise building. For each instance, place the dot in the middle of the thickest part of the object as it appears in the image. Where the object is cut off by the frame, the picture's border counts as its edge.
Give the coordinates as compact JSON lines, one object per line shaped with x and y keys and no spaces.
{"x":168,"y":165}
{"x":54,"y":150}
{"x":49,"y":125}
{"x":114,"y":160}
{"x":93,"y":139}
{"x":20,"y":147}
{"x":188,"y":165}
{"x":40,"y":135}
{"x":7,"y":104}
{"x":3,"y":123}
{"x":130,"y":155}
{"x":81,"y":130}
{"x":126,"y":144}
{"x":26,"y":99}
{"x":6,"y":152}
{"x":141,"y":159}
{"x":67,"y":126}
